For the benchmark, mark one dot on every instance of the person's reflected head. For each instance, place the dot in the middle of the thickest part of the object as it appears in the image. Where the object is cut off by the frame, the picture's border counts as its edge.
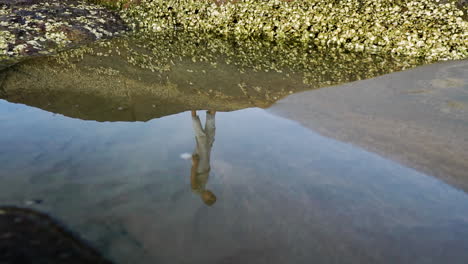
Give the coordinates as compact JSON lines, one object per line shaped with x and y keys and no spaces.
{"x":208,"y":197}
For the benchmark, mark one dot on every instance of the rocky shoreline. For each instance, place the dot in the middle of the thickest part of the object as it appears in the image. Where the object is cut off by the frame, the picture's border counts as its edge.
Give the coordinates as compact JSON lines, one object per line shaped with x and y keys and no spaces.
{"x":427,"y":29}
{"x":43,"y":27}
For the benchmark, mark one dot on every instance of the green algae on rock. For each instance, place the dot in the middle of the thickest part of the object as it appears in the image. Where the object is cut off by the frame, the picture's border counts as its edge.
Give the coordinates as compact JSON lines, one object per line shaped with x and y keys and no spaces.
{"x":423,"y":29}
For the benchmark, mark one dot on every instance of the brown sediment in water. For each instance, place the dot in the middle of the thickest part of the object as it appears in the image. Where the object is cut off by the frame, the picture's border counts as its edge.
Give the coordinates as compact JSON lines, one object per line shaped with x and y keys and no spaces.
{"x":93,"y":95}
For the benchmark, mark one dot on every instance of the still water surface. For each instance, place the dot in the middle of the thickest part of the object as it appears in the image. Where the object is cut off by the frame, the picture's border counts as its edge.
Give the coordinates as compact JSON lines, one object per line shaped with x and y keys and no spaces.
{"x":284,"y":194}
{"x":260,"y":189}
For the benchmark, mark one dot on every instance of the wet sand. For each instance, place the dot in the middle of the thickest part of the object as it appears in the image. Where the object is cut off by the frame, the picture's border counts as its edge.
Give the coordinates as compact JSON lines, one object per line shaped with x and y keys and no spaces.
{"x":417,"y":117}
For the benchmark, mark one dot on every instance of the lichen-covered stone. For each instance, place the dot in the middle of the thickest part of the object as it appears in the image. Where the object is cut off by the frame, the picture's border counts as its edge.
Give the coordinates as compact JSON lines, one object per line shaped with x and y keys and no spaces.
{"x":29,"y":27}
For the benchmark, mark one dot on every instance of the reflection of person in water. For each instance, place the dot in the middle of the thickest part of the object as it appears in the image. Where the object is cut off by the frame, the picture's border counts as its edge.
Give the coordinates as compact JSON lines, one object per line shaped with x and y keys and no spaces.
{"x":201,"y":156}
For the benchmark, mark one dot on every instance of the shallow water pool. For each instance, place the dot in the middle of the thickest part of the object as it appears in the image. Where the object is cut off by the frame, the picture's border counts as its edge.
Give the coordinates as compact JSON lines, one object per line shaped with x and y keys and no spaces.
{"x":153,"y":182}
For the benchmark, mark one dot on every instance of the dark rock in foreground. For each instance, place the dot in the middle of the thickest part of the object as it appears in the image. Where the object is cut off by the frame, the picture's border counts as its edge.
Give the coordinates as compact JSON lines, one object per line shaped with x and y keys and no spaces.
{"x":28,"y":236}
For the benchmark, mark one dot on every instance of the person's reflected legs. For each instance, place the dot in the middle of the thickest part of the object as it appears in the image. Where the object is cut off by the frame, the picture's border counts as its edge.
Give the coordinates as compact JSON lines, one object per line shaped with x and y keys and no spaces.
{"x":201,"y":156}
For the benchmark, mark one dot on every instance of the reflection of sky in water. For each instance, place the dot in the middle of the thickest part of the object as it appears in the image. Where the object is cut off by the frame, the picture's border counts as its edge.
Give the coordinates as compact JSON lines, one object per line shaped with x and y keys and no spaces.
{"x":285,"y":194}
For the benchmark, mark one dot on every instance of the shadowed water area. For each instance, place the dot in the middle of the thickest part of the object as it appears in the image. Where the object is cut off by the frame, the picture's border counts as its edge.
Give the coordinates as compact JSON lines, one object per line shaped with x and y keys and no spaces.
{"x":108,"y":138}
